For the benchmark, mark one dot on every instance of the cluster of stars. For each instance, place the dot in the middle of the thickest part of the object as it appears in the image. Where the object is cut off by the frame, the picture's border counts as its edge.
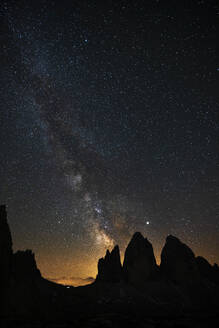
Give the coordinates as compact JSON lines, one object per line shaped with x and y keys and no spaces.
{"x":110,"y":127}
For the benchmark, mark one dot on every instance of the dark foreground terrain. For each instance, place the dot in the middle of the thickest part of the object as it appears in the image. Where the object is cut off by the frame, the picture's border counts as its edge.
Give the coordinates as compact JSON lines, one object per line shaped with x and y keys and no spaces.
{"x":115,"y":320}
{"x":182,"y":292}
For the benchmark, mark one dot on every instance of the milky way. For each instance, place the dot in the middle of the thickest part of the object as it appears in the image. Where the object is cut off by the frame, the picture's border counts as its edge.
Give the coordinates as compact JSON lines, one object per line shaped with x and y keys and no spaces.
{"x":108,"y":126}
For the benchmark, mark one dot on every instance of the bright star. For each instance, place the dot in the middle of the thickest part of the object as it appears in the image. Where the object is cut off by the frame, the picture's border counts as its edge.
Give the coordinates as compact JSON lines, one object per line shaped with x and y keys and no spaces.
{"x":98,"y":209}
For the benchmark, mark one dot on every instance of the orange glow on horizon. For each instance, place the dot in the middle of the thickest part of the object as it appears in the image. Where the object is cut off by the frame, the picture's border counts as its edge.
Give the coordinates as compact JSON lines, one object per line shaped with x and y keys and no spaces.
{"x":75,"y":282}
{"x":79,"y":268}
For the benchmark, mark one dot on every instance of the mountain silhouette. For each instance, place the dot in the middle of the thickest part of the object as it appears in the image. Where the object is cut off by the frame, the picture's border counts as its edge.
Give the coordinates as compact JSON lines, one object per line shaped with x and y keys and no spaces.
{"x":183,"y":290}
{"x":139,"y":262}
{"x":109,"y":267}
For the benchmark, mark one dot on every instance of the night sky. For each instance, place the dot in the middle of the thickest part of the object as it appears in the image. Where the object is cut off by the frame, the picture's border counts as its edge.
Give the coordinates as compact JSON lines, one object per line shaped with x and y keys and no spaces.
{"x":109,"y":126}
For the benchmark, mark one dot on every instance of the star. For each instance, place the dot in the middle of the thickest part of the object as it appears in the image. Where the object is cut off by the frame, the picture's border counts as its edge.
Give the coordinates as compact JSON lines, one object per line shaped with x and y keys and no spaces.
{"x":109,"y":127}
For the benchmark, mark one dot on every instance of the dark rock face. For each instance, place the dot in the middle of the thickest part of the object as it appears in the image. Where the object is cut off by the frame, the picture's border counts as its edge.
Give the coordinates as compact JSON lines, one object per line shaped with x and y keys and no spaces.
{"x":19,"y":276}
{"x":207,"y":271}
{"x":24,"y":266}
{"x":5,"y":260}
{"x":109,"y":267}
{"x":216,"y":269}
{"x":26,"y":279}
{"x":178,"y":262}
{"x":216,"y":273}
{"x":139,"y":262}
{"x":5,"y":246}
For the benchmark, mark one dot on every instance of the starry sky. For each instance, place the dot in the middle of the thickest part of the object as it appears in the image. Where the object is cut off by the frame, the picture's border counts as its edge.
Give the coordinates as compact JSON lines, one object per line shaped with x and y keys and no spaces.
{"x":109,"y":126}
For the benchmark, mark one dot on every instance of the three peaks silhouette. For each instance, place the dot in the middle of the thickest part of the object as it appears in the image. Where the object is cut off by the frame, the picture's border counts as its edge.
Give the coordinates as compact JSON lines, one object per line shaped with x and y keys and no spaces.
{"x":183,"y":283}
{"x":178,"y":264}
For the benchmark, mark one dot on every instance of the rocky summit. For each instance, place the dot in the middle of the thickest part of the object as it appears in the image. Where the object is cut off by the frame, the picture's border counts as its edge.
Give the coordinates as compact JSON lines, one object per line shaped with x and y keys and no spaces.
{"x":139,"y":262}
{"x":178,"y":262}
{"x":109,"y":267}
{"x":182,"y":290}
{"x":5,"y":246}
{"x":5,"y":259}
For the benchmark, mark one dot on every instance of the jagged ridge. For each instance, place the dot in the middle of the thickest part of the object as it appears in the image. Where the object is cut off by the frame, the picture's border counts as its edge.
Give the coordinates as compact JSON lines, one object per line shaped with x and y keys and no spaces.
{"x":178,"y":264}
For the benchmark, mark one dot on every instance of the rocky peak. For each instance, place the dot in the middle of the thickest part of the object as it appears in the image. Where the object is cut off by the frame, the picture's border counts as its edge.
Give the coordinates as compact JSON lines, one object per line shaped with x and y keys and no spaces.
{"x":5,"y":246}
{"x":139,"y":262}
{"x":109,"y":267}
{"x":178,"y":261}
{"x":5,"y":234}
{"x":24,"y":265}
